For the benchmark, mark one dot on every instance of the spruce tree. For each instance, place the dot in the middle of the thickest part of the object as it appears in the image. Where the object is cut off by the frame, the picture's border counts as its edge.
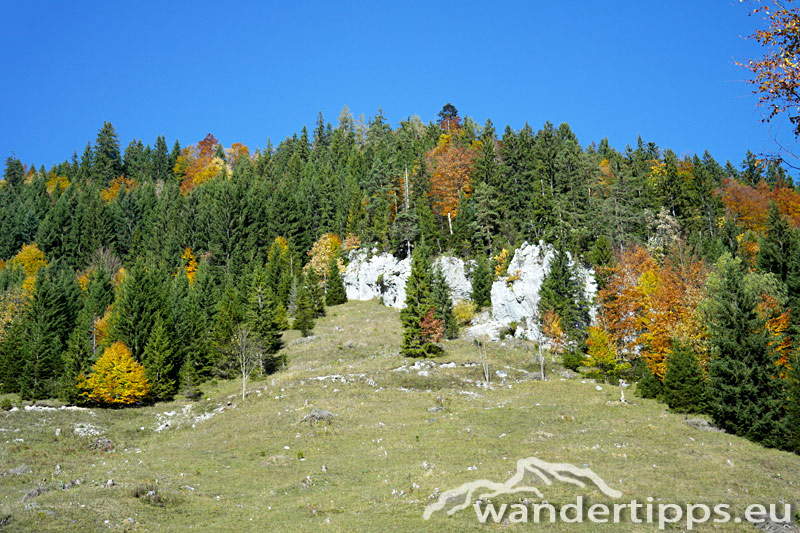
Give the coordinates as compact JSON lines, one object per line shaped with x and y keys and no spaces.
{"x":262,"y":318}
{"x":304,"y":315}
{"x":562,"y":292}
{"x":139,"y":300}
{"x":747,"y":398}
{"x":418,"y":303}
{"x":107,"y":163}
{"x":335,"y":293}
{"x":482,"y":280}
{"x":316,"y":292}
{"x":684,"y":383}
{"x":443,"y":303}
{"x":159,"y":361}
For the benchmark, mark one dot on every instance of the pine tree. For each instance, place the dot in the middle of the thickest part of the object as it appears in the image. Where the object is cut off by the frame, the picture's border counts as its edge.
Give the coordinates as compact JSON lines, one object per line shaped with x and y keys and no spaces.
{"x":747,"y":398}
{"x":443,"y":303}
{"x":159,"y":361}
{"x":304,"y":316}
{"x":229,"y":313}
{"x":335,"y":293}
{"x":482,"y":280}
{"x":684,"y":383}
{"x":794,"y":403}
{"x":418,"y":303}
{"x":139,"y":300}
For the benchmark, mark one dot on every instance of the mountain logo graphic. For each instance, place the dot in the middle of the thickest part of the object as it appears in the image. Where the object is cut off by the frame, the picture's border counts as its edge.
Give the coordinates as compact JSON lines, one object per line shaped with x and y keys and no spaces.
{"x":529,"y":471}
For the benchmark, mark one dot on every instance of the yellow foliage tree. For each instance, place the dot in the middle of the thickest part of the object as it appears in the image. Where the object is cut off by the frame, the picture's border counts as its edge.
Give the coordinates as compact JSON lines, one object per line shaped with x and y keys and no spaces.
{"x":116,"y":378}
{"x":31,"y":259}
{"x":326,"y":248}
{"x":602,"y":354}
{"x":190,"y":264}
{"x":116,"y":186}
{"x":56,"y":183}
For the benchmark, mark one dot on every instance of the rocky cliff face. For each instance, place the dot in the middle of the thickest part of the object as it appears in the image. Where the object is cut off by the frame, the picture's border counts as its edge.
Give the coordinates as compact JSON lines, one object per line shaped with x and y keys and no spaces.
{"x":383,"y":276}
{"x":514,"y":298}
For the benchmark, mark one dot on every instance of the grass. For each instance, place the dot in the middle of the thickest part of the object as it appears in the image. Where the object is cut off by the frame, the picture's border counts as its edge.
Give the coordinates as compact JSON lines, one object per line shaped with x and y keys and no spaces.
{"x":398,"y":438}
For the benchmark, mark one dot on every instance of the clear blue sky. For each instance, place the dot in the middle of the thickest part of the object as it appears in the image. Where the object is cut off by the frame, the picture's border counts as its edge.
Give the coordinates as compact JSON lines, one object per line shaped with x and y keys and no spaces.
{"x":246,"y":71}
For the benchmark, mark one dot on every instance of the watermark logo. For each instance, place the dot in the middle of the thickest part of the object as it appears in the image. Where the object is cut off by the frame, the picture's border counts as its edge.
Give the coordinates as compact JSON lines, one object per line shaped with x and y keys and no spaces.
{"x":533,"y":471}
{"x":529,"y":470}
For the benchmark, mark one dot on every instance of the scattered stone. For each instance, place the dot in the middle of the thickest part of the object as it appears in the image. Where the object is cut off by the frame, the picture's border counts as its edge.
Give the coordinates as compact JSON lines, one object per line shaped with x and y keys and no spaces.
{"x":102,"y":443}
{"x":423,"y":373}
{"x":19,"y":471}
{"x":435,"y":409}
{"x":83,"y":429}
{"x":38,"y":491}
{"x":58,"y":432}
{"x":766,"y":524}
{"x":5,"y":520}
{"x":110,"y":483}
{"x":304,"y":340}
{"x":598,"y":387}
{"x":130,"y":520}
{"x":566,"y":374}
{"x":318,"y":415}
{"x":701,"y":424}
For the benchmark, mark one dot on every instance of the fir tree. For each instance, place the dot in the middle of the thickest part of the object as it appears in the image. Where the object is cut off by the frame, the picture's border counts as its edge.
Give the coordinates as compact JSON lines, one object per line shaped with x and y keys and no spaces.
{"x":316,"y":292}
{"x":335,"y":293}
{"x":562,"y":292}
{"x":482,"y":280}
{"x":418,"y":303}
{"x":263,"y":320}
{"x":159,"y":360}
{"x":443,"y":303}
{"x":684,"y":383}
{"x":747,"y":398}
{"x":304,"y":316}
{"x":107,"y":163}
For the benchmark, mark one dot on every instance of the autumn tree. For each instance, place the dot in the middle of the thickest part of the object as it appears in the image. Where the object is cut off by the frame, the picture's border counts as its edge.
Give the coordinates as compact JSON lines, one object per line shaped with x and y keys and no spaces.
{"x":776,"y":75}
{"x":116,"y":378}
{"x":198,"y":164}
{"x":451,"y":167}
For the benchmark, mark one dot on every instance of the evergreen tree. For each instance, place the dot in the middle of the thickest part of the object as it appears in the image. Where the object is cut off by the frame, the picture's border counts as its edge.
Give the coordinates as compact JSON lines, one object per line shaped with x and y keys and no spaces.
{"x":263,"y":320}
{"x":14,"y":172}
{"x":747,"y":398}
{"x":304,"y":316}
{"x":107,"y":162}
{"x":316,"y":292}
{"x":482,"y":280}
{"x":335,"y":293}
{"x":684,"y":383}
{"x":443,"y":303}
{"x":47,"y":322}
{"x":159,"y":361}
{"x":229,"y":313}
{"x":562,"y":292}
{"x":139,"y":300}
{"x":418,"y":303}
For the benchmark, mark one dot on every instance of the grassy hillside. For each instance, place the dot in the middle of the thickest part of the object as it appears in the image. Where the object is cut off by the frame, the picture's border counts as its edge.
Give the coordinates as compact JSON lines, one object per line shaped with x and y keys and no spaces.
{"x":398,"y":437}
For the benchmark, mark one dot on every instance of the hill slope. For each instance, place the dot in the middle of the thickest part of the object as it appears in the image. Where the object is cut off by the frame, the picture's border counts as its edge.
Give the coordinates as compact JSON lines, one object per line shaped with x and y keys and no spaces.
{"x":399,"y":436}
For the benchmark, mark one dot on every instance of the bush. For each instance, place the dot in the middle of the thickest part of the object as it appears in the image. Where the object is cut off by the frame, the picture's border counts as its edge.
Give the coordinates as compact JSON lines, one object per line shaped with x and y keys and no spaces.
{"x":684,"y":383}
{"x":464,"y":310}
{"x":573,"y":359}
{"x":649,"y":387}
{"x":5,"y":404}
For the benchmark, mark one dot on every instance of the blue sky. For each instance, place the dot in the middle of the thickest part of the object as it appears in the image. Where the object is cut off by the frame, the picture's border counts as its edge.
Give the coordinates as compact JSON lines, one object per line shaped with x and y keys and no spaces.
{"x":246,"y":71}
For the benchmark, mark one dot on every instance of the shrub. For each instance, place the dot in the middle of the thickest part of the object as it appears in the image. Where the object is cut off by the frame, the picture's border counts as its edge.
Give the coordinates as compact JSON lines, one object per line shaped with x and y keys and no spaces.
{"x":573,"y":359}
{"x":464,"y":310}
{"x":649,"y":387}
{"x":684,"y":383}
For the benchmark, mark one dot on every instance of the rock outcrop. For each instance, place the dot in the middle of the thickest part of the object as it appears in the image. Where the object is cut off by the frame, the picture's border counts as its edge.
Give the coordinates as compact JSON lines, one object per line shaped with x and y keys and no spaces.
{"x":515,"y":298}
{"x":383,"y":276}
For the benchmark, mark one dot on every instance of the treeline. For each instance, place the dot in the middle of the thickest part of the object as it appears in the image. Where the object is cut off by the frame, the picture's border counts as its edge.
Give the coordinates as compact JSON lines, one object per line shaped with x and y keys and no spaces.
{"x":169,"y":250}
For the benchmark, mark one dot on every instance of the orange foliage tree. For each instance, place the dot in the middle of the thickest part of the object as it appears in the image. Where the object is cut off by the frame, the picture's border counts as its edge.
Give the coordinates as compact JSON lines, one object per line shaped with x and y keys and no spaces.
{"x":116,"y":186}
{"x":645,"y":306}
{"x":198,"y":164}
{"x":116,"y":378}
{"x":451,"y":166}
{"x":749,"y":206}
{"x":190,"y":265}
